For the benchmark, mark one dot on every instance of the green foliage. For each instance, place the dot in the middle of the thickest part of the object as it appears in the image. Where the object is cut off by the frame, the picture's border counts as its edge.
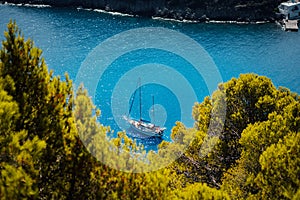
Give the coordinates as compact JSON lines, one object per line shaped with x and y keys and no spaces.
{"x":219,"y":123}
{"x":18,"y":154}
{"x":8,"y":114}
{"x":201,"y":191}
{"x":240,"y":180}
{"x":280,"y":169}
{"x":45,"y":111}
{"x":52,"y":145}
{"x":249,"y":99}
{"x":21,"y":63}
{"x":201,"y":114}
{"x":257,"y":116}
{"x":119,"y":153}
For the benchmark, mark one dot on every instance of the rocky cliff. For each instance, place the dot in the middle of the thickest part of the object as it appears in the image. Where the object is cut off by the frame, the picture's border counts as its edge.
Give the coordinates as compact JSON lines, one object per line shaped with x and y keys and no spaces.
{"x":200,"y":10}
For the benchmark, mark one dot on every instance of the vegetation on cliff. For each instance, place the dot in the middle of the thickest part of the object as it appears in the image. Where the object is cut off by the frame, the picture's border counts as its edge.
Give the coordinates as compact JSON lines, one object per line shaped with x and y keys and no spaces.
{"x":198,"y":10}
{"x":47,"y":133}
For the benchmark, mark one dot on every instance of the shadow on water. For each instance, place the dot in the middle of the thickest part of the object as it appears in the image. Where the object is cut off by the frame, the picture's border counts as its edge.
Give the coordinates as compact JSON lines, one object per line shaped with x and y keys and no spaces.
{"x":149,"y":143}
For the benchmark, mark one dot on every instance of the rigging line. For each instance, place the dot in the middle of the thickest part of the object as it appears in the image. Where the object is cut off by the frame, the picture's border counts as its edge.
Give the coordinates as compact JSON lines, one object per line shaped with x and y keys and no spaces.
{"x":140,"y":90}
{"x":153,"y":114}
{"x":132,"y":99}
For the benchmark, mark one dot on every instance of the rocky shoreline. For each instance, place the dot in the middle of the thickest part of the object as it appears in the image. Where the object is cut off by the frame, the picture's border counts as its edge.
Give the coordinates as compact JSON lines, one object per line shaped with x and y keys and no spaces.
{"x":181,"y":10}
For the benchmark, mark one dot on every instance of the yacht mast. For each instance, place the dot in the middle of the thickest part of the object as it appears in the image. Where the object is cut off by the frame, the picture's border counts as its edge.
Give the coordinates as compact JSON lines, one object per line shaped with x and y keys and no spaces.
{"x":140,"y":91}
{"x":153,"y":109}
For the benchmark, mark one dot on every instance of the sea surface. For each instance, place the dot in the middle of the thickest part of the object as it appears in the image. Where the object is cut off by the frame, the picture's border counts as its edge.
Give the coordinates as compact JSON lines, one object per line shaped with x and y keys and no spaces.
{"x":70,"y":37}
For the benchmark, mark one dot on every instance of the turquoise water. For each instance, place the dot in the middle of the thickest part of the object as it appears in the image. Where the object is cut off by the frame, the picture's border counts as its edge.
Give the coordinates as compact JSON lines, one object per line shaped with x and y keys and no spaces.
{"x":67,"y":36}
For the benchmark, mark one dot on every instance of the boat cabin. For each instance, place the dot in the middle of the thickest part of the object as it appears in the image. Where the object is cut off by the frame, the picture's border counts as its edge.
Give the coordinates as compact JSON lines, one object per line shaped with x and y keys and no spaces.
{"x":290,"y":10}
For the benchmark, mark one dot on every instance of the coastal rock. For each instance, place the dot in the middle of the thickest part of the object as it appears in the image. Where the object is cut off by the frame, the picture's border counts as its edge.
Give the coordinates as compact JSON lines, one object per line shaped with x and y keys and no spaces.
{"x":199,"y":10}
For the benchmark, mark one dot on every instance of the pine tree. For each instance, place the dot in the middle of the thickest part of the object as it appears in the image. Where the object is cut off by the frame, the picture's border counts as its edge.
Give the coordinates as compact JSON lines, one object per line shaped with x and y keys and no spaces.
{"x":280,"y":163}
{"x":45,"y":106}
{"x":18,"y":154}
{"x":240,"y":179}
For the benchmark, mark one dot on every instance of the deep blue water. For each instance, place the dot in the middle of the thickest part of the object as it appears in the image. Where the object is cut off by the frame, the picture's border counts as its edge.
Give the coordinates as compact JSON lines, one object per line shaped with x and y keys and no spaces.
{"x":68,"y":36}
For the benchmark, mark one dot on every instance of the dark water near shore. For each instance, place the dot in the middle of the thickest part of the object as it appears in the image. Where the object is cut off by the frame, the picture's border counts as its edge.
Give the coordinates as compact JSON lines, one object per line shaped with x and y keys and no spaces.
{"x":67,"y":36}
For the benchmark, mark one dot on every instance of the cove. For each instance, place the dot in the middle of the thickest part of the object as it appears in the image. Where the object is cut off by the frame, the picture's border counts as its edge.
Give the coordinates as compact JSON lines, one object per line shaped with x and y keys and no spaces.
{"x":67,"y":36}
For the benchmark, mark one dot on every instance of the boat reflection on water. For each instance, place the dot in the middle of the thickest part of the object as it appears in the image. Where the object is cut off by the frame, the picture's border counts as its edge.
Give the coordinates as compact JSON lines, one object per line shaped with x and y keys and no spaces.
{"x":149,"y":142}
